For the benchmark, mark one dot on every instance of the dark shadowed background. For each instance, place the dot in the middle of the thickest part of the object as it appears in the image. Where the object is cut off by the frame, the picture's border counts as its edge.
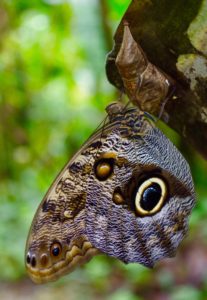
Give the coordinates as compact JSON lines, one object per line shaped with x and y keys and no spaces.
{"x":53,"y":91}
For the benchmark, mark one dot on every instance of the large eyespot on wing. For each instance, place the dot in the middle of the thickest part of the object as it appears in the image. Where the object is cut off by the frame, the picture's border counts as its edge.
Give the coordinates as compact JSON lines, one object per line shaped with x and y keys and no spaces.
{"x":150,"y":196}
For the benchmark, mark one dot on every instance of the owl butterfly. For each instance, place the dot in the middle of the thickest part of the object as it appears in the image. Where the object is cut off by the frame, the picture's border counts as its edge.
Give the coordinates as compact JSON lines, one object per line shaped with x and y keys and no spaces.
{"x":146,"y":85}
{"x":127,"y":193}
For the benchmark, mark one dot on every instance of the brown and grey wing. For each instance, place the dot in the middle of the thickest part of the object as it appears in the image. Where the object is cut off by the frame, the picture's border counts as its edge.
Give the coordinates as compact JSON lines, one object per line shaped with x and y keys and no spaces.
{"x":140,"y":212}
{"x":57,"y":241}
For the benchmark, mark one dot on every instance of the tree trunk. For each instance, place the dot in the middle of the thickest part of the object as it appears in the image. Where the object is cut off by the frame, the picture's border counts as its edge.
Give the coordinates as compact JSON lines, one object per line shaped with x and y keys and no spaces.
{"x":173,"y":35}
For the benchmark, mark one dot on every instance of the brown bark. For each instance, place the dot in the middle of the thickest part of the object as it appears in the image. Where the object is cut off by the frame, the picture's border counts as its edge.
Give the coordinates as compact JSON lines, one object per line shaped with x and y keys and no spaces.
{"x":173,"y":36}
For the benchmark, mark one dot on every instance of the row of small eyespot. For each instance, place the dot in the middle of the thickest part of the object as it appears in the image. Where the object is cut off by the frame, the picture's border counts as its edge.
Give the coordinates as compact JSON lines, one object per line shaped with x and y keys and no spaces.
{"x":55,"y":250}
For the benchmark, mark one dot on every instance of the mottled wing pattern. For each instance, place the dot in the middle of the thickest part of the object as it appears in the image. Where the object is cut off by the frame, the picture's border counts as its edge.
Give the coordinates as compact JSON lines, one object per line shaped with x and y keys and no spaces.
{"x":94,"y":204}
{"x":141,"y":151}
{"x":57,"y":241}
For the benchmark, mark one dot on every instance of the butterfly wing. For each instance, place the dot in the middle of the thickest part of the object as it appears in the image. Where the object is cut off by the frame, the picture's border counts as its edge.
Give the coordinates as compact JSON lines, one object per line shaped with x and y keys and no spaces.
{"x":90,"y":207}
{"x":114,"y":224}
{"x":57,"y":241}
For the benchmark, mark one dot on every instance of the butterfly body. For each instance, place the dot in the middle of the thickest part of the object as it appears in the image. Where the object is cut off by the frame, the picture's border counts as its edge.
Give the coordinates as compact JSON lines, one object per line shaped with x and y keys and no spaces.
{"x":128,"y":193}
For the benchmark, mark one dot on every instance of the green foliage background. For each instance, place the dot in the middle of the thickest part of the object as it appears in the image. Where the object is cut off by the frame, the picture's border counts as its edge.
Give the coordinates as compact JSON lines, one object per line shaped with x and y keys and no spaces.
{"x":53,"y":91}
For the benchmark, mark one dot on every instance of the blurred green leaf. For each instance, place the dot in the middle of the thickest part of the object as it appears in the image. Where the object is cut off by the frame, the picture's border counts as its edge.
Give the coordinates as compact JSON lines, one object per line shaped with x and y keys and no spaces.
{"x":186,"y":293}
{"x":123,"y":294}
